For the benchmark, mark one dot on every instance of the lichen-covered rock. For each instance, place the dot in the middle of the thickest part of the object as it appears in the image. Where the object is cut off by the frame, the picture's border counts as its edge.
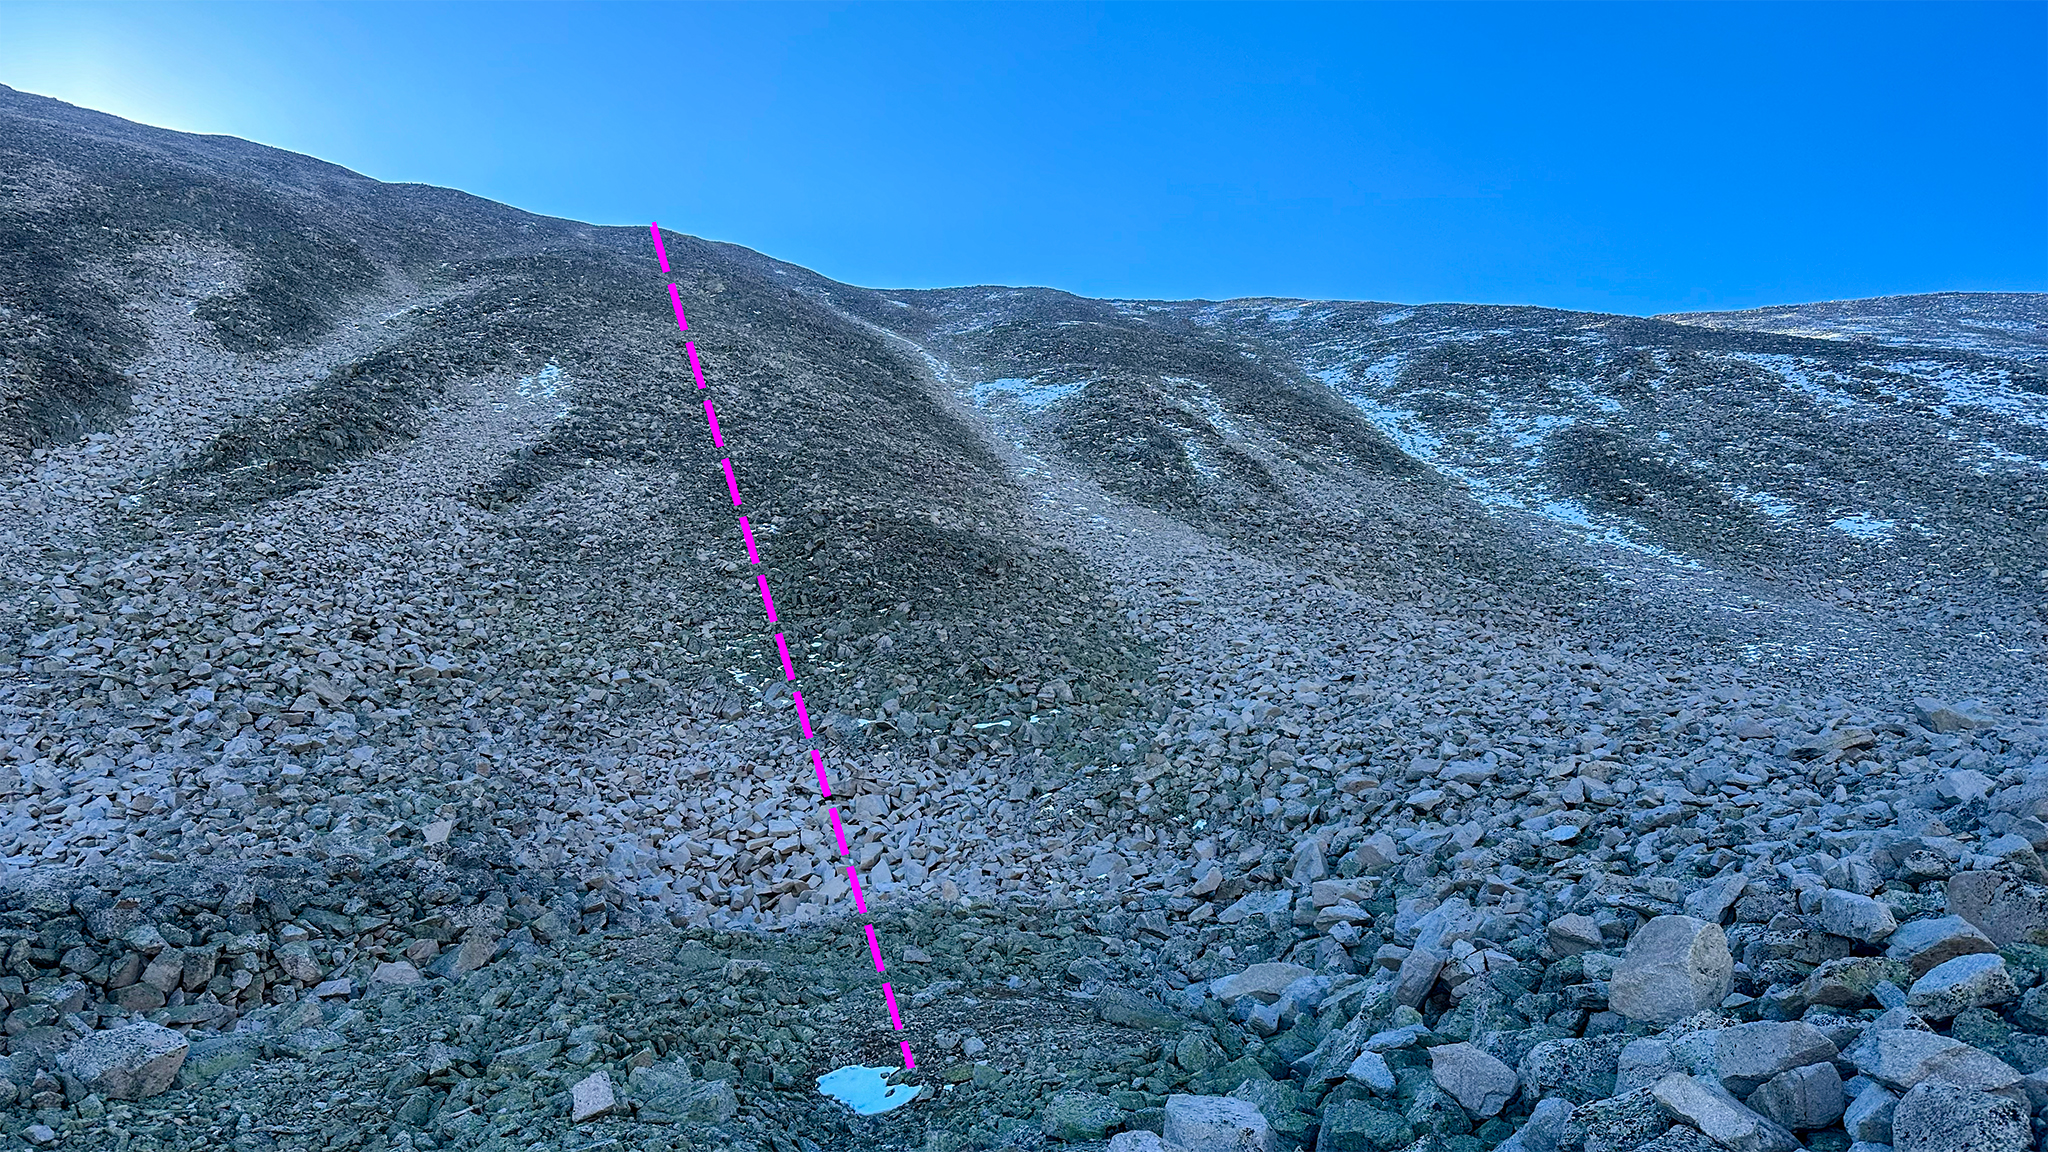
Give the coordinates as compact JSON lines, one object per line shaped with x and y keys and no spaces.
{"x":1720,"y":1116}
{"x":668,"y":1093}
{"x":1922,"y":944}
{"x":131,"y":1062}
{"x":1353,"y":1126}
{"x":1077,"y":1116}
{"x":1674,"y":966}
{"x":1801,"y":1098}
{"x":2003,"y":907}
{"x":1743,"y":1056}
{"x":1216,"y":1124}
{"x":1941,"y":1117}
{"x":1964,"y":982}
{"x":1900,"y":1058}
{"x":1580,"y":1070}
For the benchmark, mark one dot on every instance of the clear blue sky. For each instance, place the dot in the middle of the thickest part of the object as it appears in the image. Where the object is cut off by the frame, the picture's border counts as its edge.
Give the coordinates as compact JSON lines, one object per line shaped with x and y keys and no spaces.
{"x":1624,"y":158}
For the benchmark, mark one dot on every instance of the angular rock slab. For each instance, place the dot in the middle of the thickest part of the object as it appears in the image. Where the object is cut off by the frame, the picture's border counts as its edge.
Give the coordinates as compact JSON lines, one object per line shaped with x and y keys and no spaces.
{"x":1265,"y":981}
{"x":1802,"y":1099}
{"x":1859,"y":918}
{"x":592,"y":1097}
{"x":1902,"y":1058}
{"x":1674,"y":967}
{"x":1481,"y":1084}
{"x":2008,"y":910}
{"x":1721,"y":1117}
{"x":1742,"y":1057}
{"x":1216,"y":1124}
{"x":1922,"y":944}
{"x":1939,"y":1117}
{"x":1951,"y":986}
{"x":132,"y":1062}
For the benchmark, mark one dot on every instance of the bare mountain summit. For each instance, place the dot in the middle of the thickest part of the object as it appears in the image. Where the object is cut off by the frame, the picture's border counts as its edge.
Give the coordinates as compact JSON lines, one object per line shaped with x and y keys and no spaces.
{"x":1371,"y":726}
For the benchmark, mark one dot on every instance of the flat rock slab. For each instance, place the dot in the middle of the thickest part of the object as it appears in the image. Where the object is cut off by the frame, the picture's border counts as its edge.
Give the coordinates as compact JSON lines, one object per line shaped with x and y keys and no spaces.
{"x":131,"y":1062}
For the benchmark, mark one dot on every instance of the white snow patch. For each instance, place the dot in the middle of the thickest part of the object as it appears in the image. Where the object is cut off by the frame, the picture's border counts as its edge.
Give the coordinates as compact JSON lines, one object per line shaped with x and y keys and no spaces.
{"x":866,"y":1090}
{"x":1772,"y":506}
{"x":1864,"y":526}
{"x":1033,"y":395}
{"x":1796,"y":371}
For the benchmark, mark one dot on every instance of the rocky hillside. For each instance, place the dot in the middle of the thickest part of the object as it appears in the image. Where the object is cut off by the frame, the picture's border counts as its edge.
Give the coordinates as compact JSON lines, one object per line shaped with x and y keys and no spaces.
{"x":1324,"y":725}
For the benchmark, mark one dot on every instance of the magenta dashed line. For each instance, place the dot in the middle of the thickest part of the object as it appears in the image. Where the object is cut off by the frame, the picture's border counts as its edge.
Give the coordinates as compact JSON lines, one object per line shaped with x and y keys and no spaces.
{"x":655,"y":230}
{"x":782,"y":650}
{"x":675,"y":297}
{"x":711,"y":418}
{"x":747,"y":533}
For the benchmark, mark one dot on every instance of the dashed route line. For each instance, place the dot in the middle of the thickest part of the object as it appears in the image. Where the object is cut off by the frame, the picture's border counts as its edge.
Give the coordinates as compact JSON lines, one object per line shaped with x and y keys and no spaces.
{"x":732,"y":487}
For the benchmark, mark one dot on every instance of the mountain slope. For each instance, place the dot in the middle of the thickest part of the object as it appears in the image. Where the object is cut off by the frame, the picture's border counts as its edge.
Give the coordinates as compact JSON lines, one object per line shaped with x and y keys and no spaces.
{"x":374,"y":610}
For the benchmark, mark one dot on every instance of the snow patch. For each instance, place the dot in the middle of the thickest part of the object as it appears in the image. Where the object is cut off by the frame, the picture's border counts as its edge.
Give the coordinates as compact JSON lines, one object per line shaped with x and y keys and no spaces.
{"x":1032,"y":395}
{"x":1863,"y":526}
{"x":866,"y":1090}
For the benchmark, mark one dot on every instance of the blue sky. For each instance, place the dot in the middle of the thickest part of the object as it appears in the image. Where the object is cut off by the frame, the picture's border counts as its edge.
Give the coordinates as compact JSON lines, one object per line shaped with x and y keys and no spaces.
{"x":1612,"y":157}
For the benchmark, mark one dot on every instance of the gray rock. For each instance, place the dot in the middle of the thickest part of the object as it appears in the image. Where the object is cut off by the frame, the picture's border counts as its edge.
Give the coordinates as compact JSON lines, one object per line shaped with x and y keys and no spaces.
{"x":1719,"y":1116}
{"x":1580,"y":1071}
{"x":1130,"y":1009}
{"x":1859,"y":918}
{"x":1138,"y":1140}
{"x":2003,"y":907}
{"x":1417,"y":976}
{"x":1951,"y":986}
{"x":1674,"y":967}
{"x":1264,"y":981}
{"x":1251,"y":904}
{"x":1353,"y":1126}
{"x":131,"y":1062}
{"x":1620,"y":1123}
{"x":1371,"y":1070}
{"x":525,"y":1059}
{"x":1643,"y":1063}
{"x":1803,"y":1098}
{"x":1712,"y":902}
{"x":209,"y":1059}
{"x":592,"y":1097}
{"x":1572,"y":934}
{"x":1743,"y":1056}
{"x":1922,"y":944}
{"x":1546,"y":1125}
{"x":1939,"y":1117}
{"x":1936,"y":716}
{"x":1216,"y":1124}
{"x":1479,"y":1083}
{"x":1868,"y":1117}
{"x":1851,"y":981}
{"x":1900,"y":1058}
{"x":666,"y":1093}
{"x":1080,"y":1116}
